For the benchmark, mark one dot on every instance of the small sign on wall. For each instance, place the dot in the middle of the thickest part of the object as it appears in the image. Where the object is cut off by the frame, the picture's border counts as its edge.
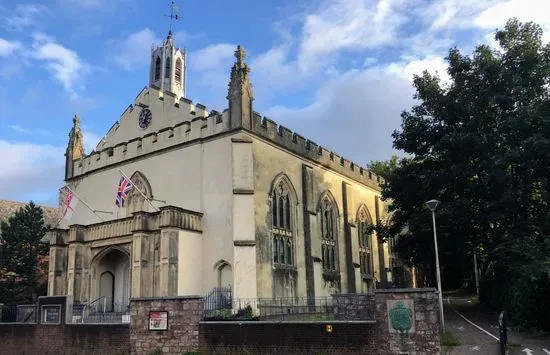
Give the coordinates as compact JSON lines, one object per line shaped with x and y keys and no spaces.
{"x":51,"y":314}
{"x":158,"y":320}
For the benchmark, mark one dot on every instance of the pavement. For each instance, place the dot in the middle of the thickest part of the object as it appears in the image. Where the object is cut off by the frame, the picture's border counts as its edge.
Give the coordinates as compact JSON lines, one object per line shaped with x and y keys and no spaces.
{"x":478,"y":332}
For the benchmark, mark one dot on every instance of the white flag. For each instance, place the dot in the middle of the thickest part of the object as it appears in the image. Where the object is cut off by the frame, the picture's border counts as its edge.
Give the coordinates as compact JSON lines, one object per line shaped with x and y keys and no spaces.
{"x":69,"y":205}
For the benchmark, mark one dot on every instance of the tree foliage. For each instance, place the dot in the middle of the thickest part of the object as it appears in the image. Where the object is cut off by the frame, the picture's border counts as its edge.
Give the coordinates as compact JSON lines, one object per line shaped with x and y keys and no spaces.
{"x":23,"y":258}
{"x":481,"y":145}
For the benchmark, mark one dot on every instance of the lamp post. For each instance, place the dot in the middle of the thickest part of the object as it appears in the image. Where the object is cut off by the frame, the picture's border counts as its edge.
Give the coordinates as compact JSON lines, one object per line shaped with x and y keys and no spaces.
{"x":432,"y":205}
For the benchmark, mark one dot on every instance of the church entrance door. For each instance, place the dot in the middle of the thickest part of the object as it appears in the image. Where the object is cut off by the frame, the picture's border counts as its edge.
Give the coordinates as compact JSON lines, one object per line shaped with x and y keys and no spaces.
{"x":112,"y":280}
{"x":107,"y":289}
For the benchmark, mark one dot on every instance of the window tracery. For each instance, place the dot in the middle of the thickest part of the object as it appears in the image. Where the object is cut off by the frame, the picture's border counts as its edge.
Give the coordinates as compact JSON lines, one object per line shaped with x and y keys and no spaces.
{"x":282,"y":224}
{"x":365,"y":249}
{"x":329,"y":237}
{"x":136,"y":201}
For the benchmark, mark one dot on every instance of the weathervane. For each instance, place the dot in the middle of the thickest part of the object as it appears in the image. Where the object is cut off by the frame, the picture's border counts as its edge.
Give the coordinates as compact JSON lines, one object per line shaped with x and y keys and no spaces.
{"x":173,"y":15}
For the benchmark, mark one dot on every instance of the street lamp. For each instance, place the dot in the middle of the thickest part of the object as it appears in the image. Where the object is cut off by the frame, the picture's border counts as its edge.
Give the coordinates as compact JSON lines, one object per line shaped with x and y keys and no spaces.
{"x":432,"y":205}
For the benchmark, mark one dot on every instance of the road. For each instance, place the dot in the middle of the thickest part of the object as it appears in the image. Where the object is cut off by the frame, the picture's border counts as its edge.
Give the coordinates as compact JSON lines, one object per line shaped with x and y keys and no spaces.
{"x":478,"y":333}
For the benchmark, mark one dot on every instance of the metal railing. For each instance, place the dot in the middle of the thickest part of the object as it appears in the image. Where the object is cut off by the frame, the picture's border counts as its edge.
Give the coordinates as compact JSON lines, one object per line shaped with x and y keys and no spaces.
{"x":99,"y":311}
{"x":25,"y":313}
{"x":291,"y":309}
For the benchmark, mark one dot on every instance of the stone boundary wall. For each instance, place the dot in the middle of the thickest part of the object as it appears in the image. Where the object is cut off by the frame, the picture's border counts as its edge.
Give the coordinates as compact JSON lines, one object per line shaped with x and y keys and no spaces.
{"x":350,"y":334}
{"x":64,"y":339}
{"x":182,"y":335}
{"x":423,"y":337}
{"x":412,"y":328}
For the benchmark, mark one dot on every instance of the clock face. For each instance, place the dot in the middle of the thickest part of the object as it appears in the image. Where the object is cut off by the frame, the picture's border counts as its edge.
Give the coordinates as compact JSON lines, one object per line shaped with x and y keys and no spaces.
{"x":145,"y":118}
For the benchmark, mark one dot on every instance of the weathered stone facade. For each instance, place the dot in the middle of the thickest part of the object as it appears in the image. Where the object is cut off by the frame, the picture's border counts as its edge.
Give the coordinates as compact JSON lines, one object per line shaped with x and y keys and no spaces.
{"x":280,"y":216}
{"x":182,"y":335}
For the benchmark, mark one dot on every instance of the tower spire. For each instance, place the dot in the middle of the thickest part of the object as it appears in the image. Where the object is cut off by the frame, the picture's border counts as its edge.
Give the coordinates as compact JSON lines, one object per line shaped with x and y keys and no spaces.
{"x":168,"y":63}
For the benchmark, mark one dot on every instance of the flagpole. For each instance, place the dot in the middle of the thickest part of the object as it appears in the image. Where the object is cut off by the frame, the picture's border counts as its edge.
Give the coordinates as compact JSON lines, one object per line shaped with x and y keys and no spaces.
{"x":142,"y":194}
{"x":85,"y":204}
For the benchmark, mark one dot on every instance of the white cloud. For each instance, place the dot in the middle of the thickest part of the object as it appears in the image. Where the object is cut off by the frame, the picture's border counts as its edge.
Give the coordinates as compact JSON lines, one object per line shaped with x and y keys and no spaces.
{"x":354,"y":114}
{"x":30,"y":170}
{"x":39,"y":131}
{"x":63,"y":63}
{"x":25,"y":15}
{"x":349,"y":25}
{"x":217,"y":56}
{"x":87,"y":3}
{"x":91,"y":140}
{"x":20,"y":129}
{"x":134,"y":51}
{"x":407,"y":68}
{"x":8,"y":47}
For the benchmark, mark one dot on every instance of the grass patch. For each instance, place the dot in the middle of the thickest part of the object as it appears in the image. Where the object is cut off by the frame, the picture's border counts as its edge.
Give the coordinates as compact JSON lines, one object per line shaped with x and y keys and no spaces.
{"x":449,"y":338}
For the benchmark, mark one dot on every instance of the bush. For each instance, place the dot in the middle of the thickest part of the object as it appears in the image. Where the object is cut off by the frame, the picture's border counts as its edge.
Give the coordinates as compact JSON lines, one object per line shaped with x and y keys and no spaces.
{"x":525,"y":299}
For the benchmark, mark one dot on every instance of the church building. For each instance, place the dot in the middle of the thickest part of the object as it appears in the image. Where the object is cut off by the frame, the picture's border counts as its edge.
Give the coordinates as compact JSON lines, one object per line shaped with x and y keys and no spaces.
{"x":178,"y":200}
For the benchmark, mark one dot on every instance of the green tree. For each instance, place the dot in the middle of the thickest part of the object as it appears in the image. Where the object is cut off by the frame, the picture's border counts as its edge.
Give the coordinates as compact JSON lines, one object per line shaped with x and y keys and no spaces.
{"x":384,"y":168}
{"x":481,"y":145}
{"x":22,"y":256}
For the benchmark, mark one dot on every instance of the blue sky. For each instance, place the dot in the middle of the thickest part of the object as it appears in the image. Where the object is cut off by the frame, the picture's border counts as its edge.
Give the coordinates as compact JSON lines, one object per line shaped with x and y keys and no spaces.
{"x":336,"y":71}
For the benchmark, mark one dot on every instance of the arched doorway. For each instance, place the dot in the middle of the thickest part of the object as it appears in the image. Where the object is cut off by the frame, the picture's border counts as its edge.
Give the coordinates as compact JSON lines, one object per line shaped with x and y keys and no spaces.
{"x":107,"y":289}
{"x":112,"y":279}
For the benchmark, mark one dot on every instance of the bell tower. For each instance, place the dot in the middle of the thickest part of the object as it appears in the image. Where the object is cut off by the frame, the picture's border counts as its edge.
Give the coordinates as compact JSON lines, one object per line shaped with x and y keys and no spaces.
{"x":169,"y":64}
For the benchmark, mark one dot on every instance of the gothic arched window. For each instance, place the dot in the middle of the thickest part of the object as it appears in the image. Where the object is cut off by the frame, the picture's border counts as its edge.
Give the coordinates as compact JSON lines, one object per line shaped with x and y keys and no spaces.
{"x":167,"y":68}
{"x":136,"y":202}
{"x":365,"y":249}
{"x":157,"y":69}
{"x":178,"y":71}
{"x":329,"y":232}
{"x":282,"y":223}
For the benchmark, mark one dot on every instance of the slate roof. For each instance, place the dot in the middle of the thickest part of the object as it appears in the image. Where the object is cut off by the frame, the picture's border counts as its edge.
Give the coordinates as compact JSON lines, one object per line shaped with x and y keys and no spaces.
{"x":8,"y":209}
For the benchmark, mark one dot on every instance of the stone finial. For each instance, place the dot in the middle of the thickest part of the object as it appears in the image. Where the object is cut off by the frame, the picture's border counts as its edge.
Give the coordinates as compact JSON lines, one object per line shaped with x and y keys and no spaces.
{"x":240,"y":93}
{"x":75,"y":148}
{"x":240,"y":54}
{"x":76,"y":121}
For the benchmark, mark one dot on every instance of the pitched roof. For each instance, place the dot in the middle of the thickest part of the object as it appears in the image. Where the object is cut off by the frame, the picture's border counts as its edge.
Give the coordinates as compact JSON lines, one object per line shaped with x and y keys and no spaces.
{"x":8,"y":209}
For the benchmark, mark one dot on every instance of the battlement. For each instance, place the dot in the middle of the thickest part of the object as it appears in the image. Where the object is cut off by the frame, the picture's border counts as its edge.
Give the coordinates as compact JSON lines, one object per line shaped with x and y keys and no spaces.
{"x":198,"y":125}
{"x":284,"y":137}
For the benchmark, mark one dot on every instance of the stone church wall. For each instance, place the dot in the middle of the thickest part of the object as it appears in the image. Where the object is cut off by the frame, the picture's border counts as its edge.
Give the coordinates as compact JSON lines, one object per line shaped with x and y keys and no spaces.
{"x":195,"y":177}
{"x":271,"y":160}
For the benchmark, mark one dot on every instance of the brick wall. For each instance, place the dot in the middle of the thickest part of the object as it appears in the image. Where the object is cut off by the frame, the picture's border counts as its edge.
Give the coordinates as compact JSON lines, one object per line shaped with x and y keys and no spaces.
{"x":287,"y":338}
{"x":351,"y":334}
{"x":82,"y":339}
{"x":182,"y":335}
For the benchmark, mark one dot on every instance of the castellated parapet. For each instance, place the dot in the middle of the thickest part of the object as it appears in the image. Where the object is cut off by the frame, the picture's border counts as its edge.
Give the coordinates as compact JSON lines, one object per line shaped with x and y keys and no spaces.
{"x":194,"y":122}
{"x":284,"y":137}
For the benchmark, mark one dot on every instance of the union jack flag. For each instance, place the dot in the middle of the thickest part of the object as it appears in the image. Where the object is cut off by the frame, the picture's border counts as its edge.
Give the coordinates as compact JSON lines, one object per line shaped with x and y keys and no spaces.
{"x":124,"y":187}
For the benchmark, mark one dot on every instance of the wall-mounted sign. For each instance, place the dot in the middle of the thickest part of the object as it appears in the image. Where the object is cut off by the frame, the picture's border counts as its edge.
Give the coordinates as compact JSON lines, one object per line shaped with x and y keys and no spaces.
{"x":51,"y":314}
{"x":158,"y":320}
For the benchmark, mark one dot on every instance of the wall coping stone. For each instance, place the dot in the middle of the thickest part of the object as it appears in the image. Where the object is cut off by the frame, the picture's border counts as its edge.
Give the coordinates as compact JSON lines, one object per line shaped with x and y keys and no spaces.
{"x":406,"y":290}
{"x":175,"y":298}
{"x":236,"y":322}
